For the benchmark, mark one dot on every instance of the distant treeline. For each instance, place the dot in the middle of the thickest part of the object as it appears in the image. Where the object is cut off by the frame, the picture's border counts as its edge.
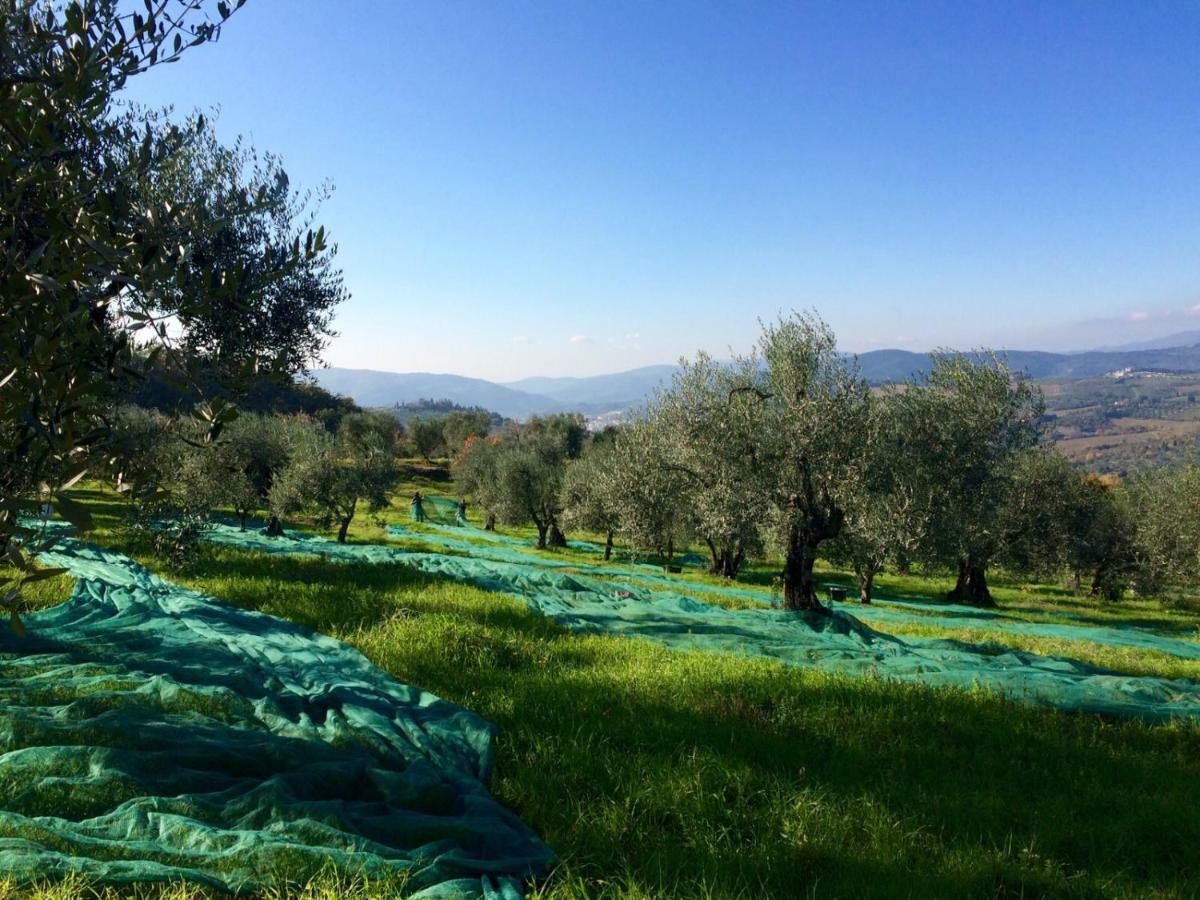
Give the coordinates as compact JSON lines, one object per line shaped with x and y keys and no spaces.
{"x":428,"y":408}
{"x":163,"y":388}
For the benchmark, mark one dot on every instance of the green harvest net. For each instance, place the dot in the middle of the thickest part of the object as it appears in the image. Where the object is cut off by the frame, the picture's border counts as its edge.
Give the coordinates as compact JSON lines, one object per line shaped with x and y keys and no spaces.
{"x":441,"y":515}
{"x":152,"y":733}
{"x":637,"y":601}
{"x":883,"y":611}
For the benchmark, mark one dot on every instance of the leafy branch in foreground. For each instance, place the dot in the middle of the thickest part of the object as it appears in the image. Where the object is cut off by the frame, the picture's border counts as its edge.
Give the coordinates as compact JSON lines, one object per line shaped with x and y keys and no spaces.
{"x":105,"y":250}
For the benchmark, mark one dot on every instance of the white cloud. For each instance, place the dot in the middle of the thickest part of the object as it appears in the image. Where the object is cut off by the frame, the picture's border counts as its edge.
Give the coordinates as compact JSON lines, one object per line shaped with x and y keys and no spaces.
{"x":520,"y":339}
{"x":579,"y":339}
{"x":1139,"y":316}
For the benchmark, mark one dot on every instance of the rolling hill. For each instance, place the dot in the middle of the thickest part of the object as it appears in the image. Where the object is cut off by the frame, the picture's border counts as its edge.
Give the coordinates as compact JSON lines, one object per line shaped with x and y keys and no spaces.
{"x":368,"y":387}
{"x":598,"y":394}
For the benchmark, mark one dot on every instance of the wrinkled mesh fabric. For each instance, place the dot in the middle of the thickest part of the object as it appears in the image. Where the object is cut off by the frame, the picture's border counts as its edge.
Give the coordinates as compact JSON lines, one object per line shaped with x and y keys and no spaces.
{"x":152,"y":733}
{"x":640,"y":602}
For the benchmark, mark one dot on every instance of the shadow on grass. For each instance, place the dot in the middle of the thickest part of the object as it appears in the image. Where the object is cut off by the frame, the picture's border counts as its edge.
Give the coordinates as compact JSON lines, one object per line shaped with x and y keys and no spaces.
{"x":686,"y":769}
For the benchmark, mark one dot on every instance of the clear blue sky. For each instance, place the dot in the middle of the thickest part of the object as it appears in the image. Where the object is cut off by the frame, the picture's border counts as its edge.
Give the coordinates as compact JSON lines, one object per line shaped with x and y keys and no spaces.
{"x":571,"y":188}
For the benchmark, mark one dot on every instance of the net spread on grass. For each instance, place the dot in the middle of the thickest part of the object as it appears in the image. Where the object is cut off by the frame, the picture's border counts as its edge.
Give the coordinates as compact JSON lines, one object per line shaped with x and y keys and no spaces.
{"x":639,"y":602}
{"x":152,"y":733}
{"x":884,"y":612}
{"x":441,"y":516}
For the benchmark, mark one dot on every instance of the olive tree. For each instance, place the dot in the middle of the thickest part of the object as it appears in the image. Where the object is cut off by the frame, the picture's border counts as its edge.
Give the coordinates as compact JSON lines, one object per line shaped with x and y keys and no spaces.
{"x":329,"y":475}
{"x":968,"y":423}
{"x":98,"y":253}
{"x":272,"y":305}
{"x":884,"y":521}
{"x":427,"y":437}
{"x":460,"y":426}
{"x":171,"y":479}
{"x":518,"y":477}
{"x":590,"y":495}
{"x":648,"y":495}
{"x":73,"y":237}
{"x":706,"y":433}
{"x":1101,"y":539}
{"x":1165,"y":506}
{"x":1037,"y":515}
{"x":1057,"y":517}
{"x":254,"y":450}
{"x":812,"y":413}
{"x":474,"y":471}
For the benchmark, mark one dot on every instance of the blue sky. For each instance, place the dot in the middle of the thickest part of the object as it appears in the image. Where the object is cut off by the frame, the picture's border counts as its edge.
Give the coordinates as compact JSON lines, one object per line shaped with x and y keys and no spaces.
{"x":573,"y":188}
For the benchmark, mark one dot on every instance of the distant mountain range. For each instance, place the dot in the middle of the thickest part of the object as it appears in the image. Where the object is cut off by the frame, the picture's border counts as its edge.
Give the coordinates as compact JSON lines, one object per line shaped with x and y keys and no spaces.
{"x":885,"y":366}
{"x":1178,"y":339}
{"x":599,"y":394}
{"x":591,"y":396}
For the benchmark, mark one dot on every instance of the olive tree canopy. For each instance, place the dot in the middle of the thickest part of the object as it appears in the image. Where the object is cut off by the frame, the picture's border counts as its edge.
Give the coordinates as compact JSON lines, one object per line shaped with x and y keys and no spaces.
{"x":968,"y":424}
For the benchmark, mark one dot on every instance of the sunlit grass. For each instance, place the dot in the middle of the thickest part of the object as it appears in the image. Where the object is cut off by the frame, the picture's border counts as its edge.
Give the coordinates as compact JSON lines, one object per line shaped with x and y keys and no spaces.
{"x":658,"y":773}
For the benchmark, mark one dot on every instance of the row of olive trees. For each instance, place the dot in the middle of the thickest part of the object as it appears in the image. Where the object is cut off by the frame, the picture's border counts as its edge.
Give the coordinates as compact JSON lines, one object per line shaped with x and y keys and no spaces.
{"x":787,"y":449}
{"x":518,"y":475}
{"x":279,"y":465}
{"x":430,"y":437}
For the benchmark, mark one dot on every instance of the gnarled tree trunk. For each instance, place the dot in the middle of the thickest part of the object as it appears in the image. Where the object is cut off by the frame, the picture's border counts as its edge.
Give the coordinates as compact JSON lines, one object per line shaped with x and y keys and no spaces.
{"x":821,"y":522}
{"x":971,"y":587}
{"x":489,"y":523}
{"x":799,"y":585}
{"x":555,"y":536}
{"x":608,"y":546}
{"x":866,"y":581}
{"x":725,"y":561}
{"x":274,"y":527}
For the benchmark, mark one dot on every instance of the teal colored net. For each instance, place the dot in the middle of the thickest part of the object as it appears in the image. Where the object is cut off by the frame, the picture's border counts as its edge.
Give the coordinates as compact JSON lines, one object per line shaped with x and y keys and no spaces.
{"x":644,"y":602}
{"x":435,"y":510}
{"x":152,"y":733}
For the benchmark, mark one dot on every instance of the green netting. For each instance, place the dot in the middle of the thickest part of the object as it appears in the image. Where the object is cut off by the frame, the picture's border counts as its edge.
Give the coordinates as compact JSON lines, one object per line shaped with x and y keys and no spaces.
{"x":952,"y":616}
{"x":436,"y":510}
{"x":883,"y":611}
{"x":441,"y":513}
{"x":628,"y":601}
{"x":151,"y":733}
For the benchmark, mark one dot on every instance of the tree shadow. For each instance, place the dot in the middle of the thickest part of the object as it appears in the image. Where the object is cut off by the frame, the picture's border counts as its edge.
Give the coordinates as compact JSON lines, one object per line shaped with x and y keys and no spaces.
{"x":814,"y":784}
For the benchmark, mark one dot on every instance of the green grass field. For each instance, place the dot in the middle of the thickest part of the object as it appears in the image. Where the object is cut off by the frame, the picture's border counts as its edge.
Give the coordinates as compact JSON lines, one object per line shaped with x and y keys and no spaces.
{"x":656,"y":773}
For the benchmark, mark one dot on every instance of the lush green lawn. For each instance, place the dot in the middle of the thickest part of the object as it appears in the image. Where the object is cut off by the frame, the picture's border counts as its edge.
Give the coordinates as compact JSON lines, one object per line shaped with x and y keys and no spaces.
{"x":658,"y":773}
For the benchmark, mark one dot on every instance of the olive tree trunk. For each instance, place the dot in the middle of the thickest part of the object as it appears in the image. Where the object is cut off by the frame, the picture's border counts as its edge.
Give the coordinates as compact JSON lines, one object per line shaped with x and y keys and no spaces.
{"x":799,"y":585}
{"x":866,"y":582}
{"x":608,"y":545}
{"x":725,"y":561}
{"x":971,"y":587}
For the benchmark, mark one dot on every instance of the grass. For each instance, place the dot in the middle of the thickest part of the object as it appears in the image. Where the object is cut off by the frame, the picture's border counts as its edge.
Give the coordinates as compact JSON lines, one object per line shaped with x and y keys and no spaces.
{"x":656,"y":773}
